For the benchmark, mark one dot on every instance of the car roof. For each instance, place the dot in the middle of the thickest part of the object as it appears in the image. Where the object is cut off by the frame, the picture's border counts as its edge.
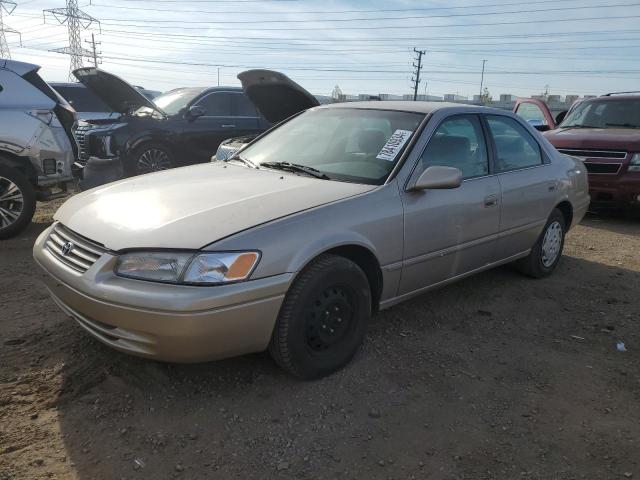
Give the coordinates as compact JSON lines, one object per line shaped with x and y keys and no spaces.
{"x":416,"y":107}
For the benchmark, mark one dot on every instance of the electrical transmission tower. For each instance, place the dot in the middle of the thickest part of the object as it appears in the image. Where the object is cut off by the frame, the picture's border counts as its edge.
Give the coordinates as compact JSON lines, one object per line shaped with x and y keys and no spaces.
{"x":416,"y":78}
{"x":7,"y":7}
{"x":76,"y":21}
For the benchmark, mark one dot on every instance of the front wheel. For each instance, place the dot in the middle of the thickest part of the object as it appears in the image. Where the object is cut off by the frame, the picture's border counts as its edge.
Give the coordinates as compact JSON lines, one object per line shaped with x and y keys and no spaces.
{"x":152,"y":157}
{"x":17,"y":202}
{"x":545,"y":254}
{"x":323,"y":318}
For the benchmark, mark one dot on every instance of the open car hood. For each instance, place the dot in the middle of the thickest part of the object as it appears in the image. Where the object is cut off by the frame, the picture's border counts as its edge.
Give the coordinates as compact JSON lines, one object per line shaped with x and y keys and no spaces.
{"x":276,"y":95}
{"x":112,"y":90}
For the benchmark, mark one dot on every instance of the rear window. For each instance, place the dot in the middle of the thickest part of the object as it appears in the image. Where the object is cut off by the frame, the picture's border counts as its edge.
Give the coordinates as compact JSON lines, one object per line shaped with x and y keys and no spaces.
{"x":36,"y":80}
{"x":82,"y":99}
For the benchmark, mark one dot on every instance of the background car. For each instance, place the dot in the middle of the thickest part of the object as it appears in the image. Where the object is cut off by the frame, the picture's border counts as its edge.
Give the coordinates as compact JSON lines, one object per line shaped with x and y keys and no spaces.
{"x":37,"y":149}
{"x":88,"y":105}
{"x":604,"y":132}
{"x":276,"y":96}
{"x":181,"y":127}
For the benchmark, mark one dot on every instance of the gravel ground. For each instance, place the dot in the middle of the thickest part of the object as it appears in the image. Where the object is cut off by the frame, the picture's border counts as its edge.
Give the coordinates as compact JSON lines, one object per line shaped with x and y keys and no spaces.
{"x":496,"y":377}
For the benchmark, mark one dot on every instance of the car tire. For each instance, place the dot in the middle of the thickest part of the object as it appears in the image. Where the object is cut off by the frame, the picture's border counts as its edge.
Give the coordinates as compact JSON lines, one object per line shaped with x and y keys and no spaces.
{"x":17,"y":202}
{"x":323,"y":318}
{"x":545,"y":254}
{"x":151,"y":157}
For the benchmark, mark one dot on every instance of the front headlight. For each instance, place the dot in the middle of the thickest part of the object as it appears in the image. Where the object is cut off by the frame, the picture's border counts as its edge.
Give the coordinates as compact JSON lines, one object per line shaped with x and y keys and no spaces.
{"x":188,"y":267}
{"x":634,"y":164}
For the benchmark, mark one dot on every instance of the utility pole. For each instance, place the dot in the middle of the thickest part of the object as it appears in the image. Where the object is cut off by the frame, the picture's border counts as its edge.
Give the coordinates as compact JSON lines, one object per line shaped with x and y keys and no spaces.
{"x":93,"y":53}
{"x":8,"y":8}
{"x":418,"y":67}
{"x":76,"y":21}
{"x":482,"y":79}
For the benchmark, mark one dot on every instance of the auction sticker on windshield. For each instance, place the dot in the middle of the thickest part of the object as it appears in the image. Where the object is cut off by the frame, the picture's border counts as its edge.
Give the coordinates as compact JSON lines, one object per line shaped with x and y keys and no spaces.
{"x":394,"y":145}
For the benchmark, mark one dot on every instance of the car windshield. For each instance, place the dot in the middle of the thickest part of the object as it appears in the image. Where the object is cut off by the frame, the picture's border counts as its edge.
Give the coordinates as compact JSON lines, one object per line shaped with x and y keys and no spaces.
{"x":606,"y":113}
{"x":174,"y":101}
{"x":345,"y":144}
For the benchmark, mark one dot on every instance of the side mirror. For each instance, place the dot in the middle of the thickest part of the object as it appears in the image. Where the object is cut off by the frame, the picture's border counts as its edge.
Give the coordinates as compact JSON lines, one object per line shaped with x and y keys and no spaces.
{"x":438,"y":177}
{"x":195,"y":111}
{"x":542,"y":128}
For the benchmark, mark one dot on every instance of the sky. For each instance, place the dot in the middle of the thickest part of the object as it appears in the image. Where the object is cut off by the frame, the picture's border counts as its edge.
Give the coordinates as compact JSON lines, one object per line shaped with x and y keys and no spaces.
{"x":582,"y":47}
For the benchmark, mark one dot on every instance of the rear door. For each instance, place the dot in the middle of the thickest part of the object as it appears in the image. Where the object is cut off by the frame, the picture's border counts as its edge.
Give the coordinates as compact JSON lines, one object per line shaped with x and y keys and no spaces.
{"x":451,"y":232}
{"x":536,"y":112}
{"x":526,"y":181}
{"x":245,"y":115}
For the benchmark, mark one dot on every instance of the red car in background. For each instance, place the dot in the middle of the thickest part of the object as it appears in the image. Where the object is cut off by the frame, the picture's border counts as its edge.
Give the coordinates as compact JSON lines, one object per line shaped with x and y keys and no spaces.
{"x":604,"y":132}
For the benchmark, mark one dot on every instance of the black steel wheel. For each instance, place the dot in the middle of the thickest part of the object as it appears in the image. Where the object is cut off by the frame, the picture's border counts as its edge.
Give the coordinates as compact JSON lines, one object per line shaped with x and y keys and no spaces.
{"x":323,"y":318}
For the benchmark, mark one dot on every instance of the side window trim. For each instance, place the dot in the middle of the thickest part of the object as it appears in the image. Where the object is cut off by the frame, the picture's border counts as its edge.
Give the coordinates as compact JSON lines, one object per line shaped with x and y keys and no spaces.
{"x":543,"y":157}
{"x":475,"y":115}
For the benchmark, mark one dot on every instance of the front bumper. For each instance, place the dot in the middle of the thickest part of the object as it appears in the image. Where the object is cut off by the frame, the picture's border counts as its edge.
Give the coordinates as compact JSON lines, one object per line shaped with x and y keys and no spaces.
{"x":617,"y":192}
{"x":174,"y":323}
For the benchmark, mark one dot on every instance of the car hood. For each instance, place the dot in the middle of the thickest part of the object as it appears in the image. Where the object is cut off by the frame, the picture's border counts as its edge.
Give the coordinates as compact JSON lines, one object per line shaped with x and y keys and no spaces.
{"x":276,"y":95}
{"x":194,"y":206}
{"x":112,"y":90}
{"x":626,"y":139}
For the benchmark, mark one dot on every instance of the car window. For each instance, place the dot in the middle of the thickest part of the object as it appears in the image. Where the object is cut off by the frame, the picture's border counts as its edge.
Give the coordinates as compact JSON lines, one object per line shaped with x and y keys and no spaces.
{"x":515,"y":147}
{"x":243,"y":107}
{"x":458,"y":142}
{"x":216,"y":104}
{"x":532,"y":114}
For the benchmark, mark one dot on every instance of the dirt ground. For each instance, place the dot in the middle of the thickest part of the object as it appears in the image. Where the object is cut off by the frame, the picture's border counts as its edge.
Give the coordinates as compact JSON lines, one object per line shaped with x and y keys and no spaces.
{"x":496,"y":377}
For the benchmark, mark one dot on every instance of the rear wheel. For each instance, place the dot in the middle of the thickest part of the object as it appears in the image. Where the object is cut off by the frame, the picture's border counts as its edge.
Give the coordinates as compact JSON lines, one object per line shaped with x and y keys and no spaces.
{"x":545,"y":254}
{"x":17,"y":202}
{"x":323,"y":319}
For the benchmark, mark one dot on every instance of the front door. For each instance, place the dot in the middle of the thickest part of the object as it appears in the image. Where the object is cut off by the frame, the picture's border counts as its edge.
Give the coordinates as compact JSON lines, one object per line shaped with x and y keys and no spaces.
{"x":536,"y":112}
{"x":203,"y":134}
{"x":451,"y":232}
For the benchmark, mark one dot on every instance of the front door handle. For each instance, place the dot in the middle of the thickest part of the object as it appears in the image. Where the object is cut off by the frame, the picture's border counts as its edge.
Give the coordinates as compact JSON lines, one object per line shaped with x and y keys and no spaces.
{"x":491,"y":201}
{"x":228,"y":126}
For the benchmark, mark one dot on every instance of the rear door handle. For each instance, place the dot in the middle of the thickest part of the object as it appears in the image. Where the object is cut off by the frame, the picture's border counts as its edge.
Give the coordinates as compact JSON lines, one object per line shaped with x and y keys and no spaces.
{"x":491,"y":201}
{"x":228,"y":126}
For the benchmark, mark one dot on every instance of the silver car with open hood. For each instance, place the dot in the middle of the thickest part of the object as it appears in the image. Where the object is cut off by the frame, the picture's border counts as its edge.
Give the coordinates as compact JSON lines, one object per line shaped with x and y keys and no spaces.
{"x":293,"y":243}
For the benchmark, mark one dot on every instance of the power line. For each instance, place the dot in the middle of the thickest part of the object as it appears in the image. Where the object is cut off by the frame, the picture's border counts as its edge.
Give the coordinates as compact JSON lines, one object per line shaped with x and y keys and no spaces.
{"x":404,"y":27}
{"x":378,"y":19}
{"x":317,"y":12}
{"x":76,"y":20}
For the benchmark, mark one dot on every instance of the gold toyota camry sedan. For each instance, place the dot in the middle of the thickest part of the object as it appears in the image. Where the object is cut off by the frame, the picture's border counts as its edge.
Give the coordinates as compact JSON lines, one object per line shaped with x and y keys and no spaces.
{"x":290,"y":244}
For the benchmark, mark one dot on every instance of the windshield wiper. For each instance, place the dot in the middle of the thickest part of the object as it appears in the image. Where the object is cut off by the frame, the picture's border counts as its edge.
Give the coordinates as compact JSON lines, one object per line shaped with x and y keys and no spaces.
{"x":294,"y":167}
{"x":246,"y":161}
{"x":577,"y":125}
{"x":624,"y":125}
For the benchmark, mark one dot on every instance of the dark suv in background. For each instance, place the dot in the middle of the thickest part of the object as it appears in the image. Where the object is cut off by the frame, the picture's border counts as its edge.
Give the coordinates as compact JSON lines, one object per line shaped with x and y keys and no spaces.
{"x":180,"y":127}
{"x":604,"y":132}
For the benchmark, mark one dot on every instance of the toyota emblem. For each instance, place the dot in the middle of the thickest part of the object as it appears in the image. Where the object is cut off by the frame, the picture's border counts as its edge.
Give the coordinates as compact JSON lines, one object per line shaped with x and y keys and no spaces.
{"x":66,"y":248}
